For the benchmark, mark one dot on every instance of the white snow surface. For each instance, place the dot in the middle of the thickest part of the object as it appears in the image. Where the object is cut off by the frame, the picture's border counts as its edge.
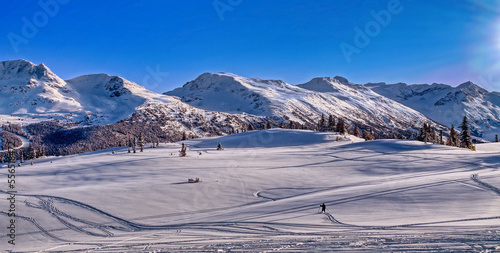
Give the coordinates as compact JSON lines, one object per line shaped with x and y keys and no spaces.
{"x":448,"y":105}
{"x":260,"y":194}
{"x":231,"y":93}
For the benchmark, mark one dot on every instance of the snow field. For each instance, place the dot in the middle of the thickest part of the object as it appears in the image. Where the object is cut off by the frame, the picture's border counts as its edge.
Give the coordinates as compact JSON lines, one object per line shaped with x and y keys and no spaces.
{"x":261,"y":193}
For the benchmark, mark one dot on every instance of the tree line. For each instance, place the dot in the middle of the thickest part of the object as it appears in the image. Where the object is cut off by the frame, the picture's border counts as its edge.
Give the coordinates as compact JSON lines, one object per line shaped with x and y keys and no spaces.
{"x":455,"y":138}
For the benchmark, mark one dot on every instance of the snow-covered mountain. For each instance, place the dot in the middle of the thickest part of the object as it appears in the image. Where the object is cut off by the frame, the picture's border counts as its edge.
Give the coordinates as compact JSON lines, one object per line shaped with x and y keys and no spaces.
{"x":35,"y":91}
{"x":447,"y":105}
{"x":302,"y":103}
{"x":35,"y":94}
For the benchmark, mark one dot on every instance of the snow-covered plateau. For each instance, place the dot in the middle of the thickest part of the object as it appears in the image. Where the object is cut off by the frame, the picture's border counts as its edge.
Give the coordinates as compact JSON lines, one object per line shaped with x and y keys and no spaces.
{"x":260,"y":194}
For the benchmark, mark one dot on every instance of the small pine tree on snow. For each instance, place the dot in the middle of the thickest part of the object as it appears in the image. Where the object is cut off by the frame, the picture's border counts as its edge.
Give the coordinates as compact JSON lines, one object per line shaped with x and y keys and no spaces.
{"x":184,"y":137}
{"x":453,"y":140}
{"x":321,"y":123}
{"x":182,"y":152}
{"x":331,"y":123}
{"x":341,"y":127}
{"x":427,"y":134}
{"x":372,"y":133}
{"x":219,"y":146}
{"x":141,"y":142}
{"x":31,"y":152}
{"x":367,"y":135}
{"x":465,"y":137}
{"x":356,"y":131}
{"x":496,"y":137}
{"x":134,"y":144}
{"x":22,"y":156}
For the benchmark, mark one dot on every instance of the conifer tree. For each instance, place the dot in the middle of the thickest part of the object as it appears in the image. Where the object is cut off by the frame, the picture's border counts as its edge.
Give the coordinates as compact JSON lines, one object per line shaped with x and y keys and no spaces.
{"x":453,"y":140}
{"x":331,"y":123}
{"x":496,"y":137}
{"x":321,"y":123}
{"x":31,"y":152}
{"x":134,"y":143}
{"x":356,"y":131}
{"x":367,"y":135}
{"x":182,"y":152}
{"x":465,"y":137}
{"x":141,"y":142}
{"x":341,"y":126}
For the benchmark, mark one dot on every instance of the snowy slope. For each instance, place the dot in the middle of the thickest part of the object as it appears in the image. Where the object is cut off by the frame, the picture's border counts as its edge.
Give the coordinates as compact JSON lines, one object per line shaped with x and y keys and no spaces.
{"x":33,"y":90}
{"x":447,"y":105}
{"x":261,"y":193}
{"x":303,"y":103}
{"x":33,"y":93}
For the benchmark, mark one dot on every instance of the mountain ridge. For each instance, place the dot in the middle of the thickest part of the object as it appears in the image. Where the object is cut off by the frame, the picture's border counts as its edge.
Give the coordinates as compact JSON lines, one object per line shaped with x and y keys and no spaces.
{"x":302,"y":103}
{"x":213,"y":104}
{"x":447,"y":104}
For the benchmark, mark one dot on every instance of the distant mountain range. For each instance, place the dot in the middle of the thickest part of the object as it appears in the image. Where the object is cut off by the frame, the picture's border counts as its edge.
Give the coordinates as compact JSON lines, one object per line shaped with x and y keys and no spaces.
{"x":304,"y":103}
{"x":447,"y":105}
{"x":222,"y":103}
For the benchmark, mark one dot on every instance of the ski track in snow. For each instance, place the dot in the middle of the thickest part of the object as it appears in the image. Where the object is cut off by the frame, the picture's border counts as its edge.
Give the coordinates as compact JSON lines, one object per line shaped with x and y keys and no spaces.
{"x":46,"y":204}
{"x":272,"y":219}
{"x":475,"y":178}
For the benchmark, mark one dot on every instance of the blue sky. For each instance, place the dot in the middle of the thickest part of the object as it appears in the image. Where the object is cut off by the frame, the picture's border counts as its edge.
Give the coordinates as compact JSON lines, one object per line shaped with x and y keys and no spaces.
{"x":164,"y":44}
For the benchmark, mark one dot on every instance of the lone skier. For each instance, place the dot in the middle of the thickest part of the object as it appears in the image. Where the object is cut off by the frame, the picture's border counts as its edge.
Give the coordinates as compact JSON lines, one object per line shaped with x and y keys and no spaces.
{"x":323,"y":207}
